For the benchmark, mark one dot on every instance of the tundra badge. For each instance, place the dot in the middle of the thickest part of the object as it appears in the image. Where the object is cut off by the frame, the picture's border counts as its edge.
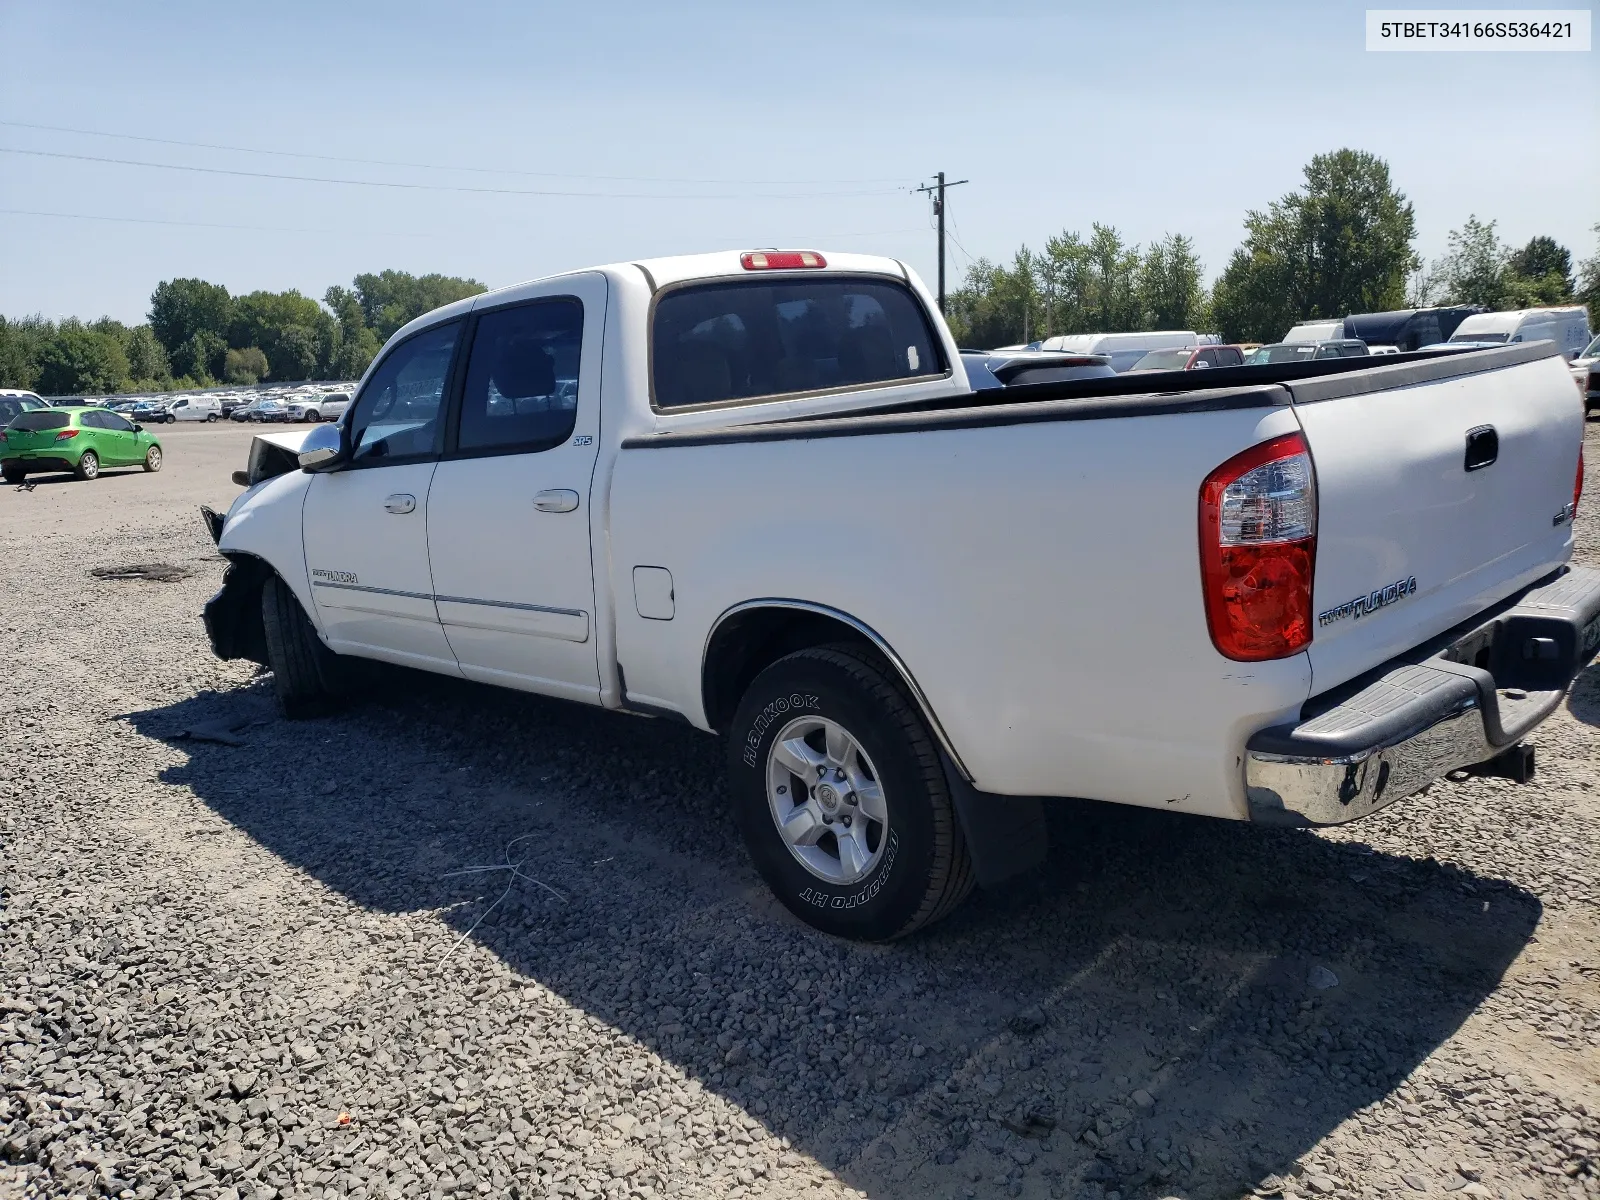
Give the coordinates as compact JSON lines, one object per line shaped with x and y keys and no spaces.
{"x":1371,"y":602}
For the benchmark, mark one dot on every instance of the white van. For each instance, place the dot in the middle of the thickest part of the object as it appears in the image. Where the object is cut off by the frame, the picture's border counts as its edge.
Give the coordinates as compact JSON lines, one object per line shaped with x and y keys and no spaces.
{"x":1316,"y":331}
{"x":194,"y":408}
{"x":1567,"y":327}
{"x":1124,"y":349}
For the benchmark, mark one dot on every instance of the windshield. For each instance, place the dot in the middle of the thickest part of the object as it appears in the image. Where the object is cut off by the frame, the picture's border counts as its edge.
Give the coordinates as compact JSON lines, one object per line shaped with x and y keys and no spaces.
{"x":1478,"y":337}
{"x":1592,"y":350}
{"x":1163,"y":360}
{"x":41,"y":419}
{"x":1285,"y":352}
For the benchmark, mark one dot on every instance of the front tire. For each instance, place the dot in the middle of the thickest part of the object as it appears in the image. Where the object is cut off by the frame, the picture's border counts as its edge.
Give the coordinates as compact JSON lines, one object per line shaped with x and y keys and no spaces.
{"x":88,"y":466}
{"x":871,"y":847}
{"x":152,"y":459}
{"x":307,"y":677}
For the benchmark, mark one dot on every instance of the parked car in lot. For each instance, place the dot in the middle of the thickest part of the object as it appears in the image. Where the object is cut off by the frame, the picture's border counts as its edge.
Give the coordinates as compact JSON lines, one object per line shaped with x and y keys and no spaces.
{"x":1123,"y":349}
{"x":810,"y":535}
{"x":152,"y":411}
{"x":1189,"y":358}
{"x":245,"y":411}
{"x":124,"y":407}
{"x":328,"y":407}
{"x":79,"y":440}
{"x":194,"y":408}
{"x":988,"y":369}
{"x":1288,"y":352}
{"x":14,"y":402}
{"x":1567,"y":327}
{"x":270,"y":410}
{"x":1584,"y":371}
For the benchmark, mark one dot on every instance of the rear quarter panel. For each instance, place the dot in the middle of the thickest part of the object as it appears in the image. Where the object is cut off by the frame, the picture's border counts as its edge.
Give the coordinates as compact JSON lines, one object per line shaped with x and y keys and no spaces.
{"x":1040,"y":581}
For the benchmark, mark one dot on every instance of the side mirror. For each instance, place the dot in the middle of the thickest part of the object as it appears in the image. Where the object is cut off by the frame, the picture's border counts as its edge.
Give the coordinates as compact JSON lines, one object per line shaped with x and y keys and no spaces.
{"x":323,"y":448}
{"x":138,"y":428}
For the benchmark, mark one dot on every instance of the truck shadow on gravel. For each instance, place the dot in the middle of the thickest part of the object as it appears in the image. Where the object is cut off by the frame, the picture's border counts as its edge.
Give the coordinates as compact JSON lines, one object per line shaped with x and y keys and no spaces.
{"x":1169,"y":1005}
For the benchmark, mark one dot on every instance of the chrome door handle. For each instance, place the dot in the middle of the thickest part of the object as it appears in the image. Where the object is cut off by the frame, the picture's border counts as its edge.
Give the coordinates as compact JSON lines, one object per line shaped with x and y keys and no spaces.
{"x":401,"y":504}
{"x":556,"y":500}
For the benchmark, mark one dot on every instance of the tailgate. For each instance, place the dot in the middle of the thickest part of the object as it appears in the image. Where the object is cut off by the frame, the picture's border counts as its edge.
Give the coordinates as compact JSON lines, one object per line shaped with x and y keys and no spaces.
{"x":1442,"y":487}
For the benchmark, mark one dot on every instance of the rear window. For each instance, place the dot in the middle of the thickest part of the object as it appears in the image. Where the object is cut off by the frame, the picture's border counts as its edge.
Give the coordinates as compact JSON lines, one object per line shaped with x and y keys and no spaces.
{"x":1478,"y":337}
{"x":742,"y":341}
{"x":42,"y":419}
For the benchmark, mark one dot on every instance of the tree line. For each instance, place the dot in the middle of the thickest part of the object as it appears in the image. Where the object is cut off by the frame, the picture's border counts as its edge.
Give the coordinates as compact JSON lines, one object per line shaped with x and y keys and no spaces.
{"x":1342,"y":243}
{"x":197,"y":334}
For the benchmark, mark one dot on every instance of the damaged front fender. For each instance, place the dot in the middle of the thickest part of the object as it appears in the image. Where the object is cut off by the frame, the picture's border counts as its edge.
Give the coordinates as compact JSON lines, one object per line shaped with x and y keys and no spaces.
{"x":233,"y":616}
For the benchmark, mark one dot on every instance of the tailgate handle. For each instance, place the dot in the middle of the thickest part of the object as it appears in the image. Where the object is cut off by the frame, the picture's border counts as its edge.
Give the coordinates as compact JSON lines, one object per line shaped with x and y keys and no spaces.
{"x":1483,"y":447}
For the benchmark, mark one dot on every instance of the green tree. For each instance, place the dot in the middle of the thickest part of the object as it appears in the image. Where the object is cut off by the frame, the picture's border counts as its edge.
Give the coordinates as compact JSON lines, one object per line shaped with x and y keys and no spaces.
{"x":996,"y":306}
{"x":181,"y":308}
{"x":390,"y":299}
{"x":261,"y":318}
{"x":79,"y":359}
{"x":148,"y":367}
{"x":357,"y":344}
{"x":1588,"y":289}
{"x":1113,"y":295}
{"x":202,"y":358}
{"x":1342,"y":244}
{"x":1538,"y":274}
{"x":245,"y":366}
{"x":1472,"y":269}
{"x":295,"y":354}
{"x":21,"y":343}
{"x":1172,"y":292}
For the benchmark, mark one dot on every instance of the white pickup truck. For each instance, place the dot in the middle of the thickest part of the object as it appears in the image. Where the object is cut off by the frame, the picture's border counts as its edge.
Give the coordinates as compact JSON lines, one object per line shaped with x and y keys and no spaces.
{"x":756,"y":493}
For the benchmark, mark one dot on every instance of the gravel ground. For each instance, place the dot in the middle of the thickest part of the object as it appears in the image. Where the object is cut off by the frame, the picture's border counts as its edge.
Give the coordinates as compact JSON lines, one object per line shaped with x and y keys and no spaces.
{"x":303,"y":964}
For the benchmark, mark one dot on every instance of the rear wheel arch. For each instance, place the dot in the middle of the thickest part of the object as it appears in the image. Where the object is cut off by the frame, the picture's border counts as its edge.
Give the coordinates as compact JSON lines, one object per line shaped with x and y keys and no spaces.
{"x":750,"y":637}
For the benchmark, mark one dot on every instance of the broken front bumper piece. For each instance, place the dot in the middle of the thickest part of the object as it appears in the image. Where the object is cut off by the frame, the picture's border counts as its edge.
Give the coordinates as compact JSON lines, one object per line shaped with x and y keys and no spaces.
{"x":1462,"y":702}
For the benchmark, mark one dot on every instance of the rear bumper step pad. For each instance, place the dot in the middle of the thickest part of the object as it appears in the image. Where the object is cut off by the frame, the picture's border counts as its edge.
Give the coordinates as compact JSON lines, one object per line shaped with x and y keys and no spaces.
{"x":1456,"y":702}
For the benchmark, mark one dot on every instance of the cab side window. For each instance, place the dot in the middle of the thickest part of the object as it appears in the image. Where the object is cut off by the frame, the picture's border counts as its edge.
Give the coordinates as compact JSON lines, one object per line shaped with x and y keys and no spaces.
{"x":111,"y":420}
{"x":397,"y":414}
{"x":521,"y":392}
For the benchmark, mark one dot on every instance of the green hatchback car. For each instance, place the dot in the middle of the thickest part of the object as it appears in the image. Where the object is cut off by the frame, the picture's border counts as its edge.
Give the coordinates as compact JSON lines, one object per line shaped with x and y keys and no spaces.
{"x":80,"y":440}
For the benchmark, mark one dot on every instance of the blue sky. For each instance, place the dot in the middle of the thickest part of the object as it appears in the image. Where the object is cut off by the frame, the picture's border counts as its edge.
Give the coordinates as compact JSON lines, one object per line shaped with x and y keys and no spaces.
{"x":815,"y":120}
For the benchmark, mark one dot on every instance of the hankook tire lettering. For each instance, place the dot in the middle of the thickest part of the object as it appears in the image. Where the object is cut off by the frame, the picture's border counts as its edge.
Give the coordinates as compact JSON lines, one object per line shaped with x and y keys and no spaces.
{"x":769,"y":714}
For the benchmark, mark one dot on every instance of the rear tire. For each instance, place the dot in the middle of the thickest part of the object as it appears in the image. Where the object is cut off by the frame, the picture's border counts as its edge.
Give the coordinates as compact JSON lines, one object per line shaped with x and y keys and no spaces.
{"x":88,"y":466}
{"x":910,"y":865}
{"x":307,"y":677}
{"x":210,"y":417}
{"x":13,"y":474}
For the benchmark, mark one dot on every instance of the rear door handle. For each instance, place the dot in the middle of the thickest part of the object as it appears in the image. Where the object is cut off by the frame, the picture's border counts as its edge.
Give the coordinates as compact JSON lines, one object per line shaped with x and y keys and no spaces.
{"x":401,"y":504}
{"x":556,"y":500}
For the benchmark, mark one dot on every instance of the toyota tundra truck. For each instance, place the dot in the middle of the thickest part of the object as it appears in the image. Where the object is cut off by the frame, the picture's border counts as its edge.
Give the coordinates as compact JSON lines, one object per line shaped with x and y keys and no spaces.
{"x":755,"y":492}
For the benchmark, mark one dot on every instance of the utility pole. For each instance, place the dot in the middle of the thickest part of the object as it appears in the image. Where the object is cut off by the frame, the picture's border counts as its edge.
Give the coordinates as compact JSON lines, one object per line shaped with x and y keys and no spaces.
{"x":936,"y":190}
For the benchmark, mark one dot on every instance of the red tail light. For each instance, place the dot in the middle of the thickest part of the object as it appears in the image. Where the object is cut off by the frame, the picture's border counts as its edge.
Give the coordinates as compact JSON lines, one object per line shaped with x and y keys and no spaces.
{"x":1258,"y":550}
{"x":1578,"y":484}
{"x":780,"y":260}
{"x":65,"y":434}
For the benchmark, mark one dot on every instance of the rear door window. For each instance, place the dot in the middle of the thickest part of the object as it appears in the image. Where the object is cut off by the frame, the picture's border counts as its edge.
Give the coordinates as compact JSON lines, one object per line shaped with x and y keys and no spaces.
{"x":750,"y":339}
{"x":521,"y":392}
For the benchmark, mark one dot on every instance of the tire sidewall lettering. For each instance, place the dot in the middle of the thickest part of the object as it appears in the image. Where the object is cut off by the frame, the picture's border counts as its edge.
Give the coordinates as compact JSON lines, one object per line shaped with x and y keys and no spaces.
{"x":782,"y":706}
{"x":843,"y":902}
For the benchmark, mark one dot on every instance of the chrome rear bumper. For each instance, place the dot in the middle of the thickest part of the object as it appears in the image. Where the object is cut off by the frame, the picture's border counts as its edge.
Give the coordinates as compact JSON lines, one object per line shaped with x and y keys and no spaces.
{"x":1461,"y":701}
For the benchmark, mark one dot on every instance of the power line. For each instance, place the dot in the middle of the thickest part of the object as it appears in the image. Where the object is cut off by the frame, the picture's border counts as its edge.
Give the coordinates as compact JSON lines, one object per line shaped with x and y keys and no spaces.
{"x":29,"y":212}
{"x":385,"y":162}
{"x":440,"y":187}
